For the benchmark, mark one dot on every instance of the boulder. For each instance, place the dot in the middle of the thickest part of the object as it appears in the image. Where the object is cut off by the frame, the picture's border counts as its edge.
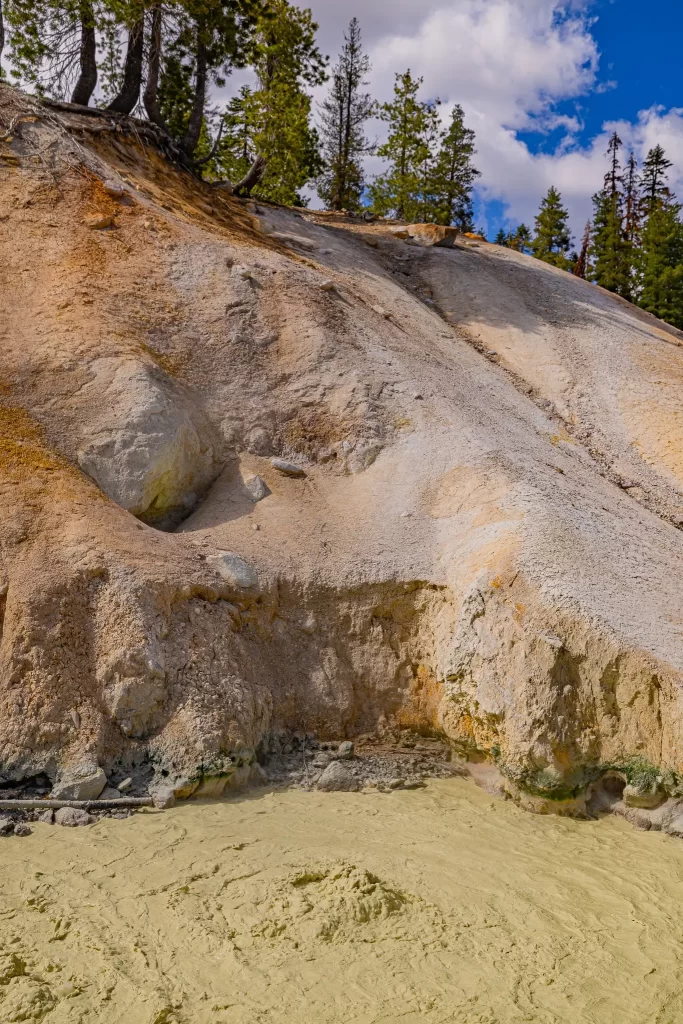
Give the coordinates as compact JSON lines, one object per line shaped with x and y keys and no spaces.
{"x":257,"y":488}
{"x":234,"y":569}
{"x":6,"y":826}
{"x":22,"y":829}
{"x":643,"y":796}
{"x":72,"y":817}
{"x":80,"y":787}
{"x":287,"y":468}
{"x":338,"y":779}
{"x":164,"y":798}
{"x":109,"y":793}
{"x":345,"y":751}
{"x":148,"y":447}
{"x":433,"y":235}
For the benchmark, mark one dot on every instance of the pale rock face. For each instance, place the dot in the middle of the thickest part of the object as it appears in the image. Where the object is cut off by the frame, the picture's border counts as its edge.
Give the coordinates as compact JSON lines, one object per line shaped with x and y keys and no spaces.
{"x":84,"y":787}
{"x":487,"y":577}
{"x":148,"y":449}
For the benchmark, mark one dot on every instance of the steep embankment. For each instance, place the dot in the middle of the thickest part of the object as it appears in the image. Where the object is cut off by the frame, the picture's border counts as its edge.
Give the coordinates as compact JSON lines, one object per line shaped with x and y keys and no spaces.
{"x":484,"y":542}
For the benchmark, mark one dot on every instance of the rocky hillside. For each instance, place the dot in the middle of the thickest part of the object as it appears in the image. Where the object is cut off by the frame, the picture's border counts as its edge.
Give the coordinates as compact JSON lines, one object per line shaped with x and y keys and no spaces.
{"x":267,"y":472}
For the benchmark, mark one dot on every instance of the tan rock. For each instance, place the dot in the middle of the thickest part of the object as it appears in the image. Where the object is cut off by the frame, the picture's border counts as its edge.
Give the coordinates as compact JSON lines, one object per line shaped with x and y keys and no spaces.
{"x":433,"y":235}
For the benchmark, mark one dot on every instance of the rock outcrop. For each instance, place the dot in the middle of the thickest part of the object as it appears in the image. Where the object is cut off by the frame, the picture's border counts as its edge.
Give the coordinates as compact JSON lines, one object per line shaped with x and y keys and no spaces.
{"x":481,"y":539}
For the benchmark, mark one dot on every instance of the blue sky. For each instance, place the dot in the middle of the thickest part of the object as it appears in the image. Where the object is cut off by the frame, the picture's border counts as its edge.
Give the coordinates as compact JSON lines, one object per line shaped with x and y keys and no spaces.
{"x":542,"y":82}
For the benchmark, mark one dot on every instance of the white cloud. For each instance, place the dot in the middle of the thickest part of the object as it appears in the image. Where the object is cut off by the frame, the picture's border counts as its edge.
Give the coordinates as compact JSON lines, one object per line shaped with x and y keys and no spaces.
{"x":508,"y":62}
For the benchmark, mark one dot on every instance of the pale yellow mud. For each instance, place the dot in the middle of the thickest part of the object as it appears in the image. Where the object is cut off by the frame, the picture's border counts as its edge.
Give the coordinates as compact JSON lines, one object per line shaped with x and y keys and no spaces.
{"x":435,"y":905}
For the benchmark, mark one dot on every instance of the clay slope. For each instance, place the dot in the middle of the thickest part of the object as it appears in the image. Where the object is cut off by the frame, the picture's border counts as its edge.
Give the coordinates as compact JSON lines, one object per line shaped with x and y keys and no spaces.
{"x":483,"y":545}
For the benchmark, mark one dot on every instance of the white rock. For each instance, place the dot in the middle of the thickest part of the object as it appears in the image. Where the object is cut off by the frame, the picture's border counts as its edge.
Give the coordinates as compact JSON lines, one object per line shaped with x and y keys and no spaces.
{"x":287,"y":468}
{"x":80,"y":786}
{"x":125,"y":785}
{"x":149,"y":449}
{"x":234,"y":569}
{"x":328,"y":286}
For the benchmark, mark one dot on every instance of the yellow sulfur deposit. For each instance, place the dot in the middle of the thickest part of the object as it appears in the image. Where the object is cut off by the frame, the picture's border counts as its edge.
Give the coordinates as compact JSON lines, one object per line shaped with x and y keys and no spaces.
{"x":431,"y":906}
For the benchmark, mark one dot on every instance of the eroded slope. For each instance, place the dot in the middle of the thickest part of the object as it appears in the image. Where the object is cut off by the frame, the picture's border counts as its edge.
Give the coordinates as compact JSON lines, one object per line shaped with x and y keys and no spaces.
{"x":462,"y":554}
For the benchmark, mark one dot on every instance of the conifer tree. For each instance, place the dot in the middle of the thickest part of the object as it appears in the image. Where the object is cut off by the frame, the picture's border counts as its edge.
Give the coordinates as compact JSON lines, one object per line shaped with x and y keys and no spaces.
{"x":609,"y":251}
{"x":521,"y":240}
{"x":552,"y":239}
{"x":286,"y":59}
{"x":581,"y":265}
{"x":343,"y":114}
{"x":398,"y":192}
{"x":502,"y":237}
{"x":662,"y":262}
{"x":653,"y":187}
{"x":454,"y":175}
{"x":662,"y":242}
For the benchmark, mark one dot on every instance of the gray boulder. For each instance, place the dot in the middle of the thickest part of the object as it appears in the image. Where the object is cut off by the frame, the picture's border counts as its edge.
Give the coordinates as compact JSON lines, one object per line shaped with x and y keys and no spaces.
{"x":338,"y":779}
{"x":72,"y":817}
{"x":345,"y":751}
{"x":234,"y":569}
{"x":257,"y":488}
{"x":80,"y":786}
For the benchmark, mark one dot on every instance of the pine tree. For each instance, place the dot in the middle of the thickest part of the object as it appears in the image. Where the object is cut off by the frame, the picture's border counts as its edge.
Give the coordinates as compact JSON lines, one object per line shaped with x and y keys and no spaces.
{"x":286,"y":58}
{"x":662,"y":287}
{"x":53,"y":46}
{"x":552,"y":239}
{"x":398,"y":192}
{"x":501,"y":237}
{"x":662,"y":242}
{"x":653,"y":188}
{"x":453,"y":175}
{"x":581,"y":265}
{"x":609,"y":250}
{"x":521,"y":239}
{"x":344,"y":114}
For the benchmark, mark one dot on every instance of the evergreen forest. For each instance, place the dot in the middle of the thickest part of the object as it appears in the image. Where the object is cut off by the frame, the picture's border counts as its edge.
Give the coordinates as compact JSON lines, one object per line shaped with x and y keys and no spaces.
{"x":169,"y":64}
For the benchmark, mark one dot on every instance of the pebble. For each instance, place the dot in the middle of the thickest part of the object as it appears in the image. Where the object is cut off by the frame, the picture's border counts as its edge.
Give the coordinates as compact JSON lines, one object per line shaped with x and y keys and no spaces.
{"x":234,"y":570}
{"x":328,"y":286}
{"x":123,"y":786}
{"x":397,"y":783}
{"x":99,"y":221}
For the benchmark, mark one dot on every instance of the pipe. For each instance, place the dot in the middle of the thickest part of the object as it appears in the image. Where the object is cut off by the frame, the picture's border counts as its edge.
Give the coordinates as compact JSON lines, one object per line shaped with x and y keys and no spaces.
{"x":85,"y":805}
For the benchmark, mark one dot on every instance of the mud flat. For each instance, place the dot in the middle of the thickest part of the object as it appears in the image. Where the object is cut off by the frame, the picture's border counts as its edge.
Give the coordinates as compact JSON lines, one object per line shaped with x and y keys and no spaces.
{"x":435,"y":905}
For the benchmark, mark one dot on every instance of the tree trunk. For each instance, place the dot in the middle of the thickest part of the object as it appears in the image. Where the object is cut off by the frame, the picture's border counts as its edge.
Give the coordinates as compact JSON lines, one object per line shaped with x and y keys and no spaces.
{"x":87,"y":80}
{"x":128,"y":97}
{"x":151,"y":95}
{"x":194,"y":127}
{"x":253,"y":177}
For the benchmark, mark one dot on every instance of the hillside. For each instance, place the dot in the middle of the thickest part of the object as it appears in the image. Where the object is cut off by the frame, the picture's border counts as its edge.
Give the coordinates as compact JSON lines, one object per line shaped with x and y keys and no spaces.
{"x":485,"y":541}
